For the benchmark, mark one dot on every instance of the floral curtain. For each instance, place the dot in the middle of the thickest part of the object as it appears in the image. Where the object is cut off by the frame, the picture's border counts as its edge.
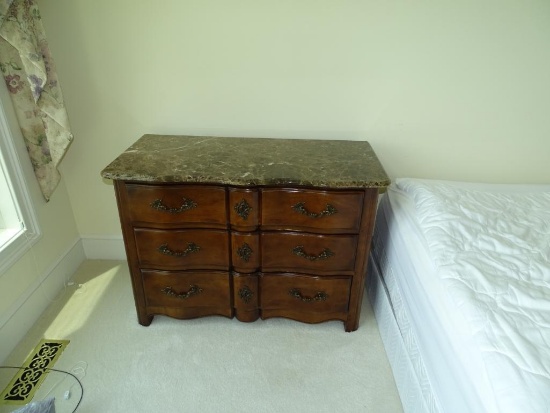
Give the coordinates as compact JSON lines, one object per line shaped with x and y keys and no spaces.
{"x":30,"y":75}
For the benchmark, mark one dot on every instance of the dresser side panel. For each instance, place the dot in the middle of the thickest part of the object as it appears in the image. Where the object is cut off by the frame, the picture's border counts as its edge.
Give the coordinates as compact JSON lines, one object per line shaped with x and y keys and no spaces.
{"x":131,"y":252}
{"x":363,"y":248}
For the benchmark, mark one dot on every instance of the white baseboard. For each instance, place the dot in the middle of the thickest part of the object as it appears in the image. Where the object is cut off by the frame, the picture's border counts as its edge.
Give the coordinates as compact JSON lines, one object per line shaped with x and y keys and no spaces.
{"x":104,"y":248}
{"x":30,"y":305}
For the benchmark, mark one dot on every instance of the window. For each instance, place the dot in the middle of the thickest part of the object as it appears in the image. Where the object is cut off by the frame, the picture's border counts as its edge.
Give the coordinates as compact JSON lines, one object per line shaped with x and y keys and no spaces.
{"x":18,"y":224}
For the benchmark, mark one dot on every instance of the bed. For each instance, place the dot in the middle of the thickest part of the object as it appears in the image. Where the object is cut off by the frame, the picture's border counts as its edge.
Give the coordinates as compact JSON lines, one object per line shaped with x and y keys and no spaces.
{"x":460,"y":286}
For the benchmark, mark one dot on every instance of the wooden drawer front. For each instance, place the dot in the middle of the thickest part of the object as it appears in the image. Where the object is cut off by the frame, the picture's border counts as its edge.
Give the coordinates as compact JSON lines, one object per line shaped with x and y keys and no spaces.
{"x":324,"y":211}
{"x":173,"y":289}
{"x":245,"y":251}
{"x":243,"y":209}
{"x":177,"y":204}
{"x":321,"y":254}
{"x":304,"y":293}
{"x":182,"y":249}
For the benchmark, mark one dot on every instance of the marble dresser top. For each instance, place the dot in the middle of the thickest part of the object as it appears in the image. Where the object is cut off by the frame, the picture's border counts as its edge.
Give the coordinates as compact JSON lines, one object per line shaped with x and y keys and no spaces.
{"x":249,"y":161}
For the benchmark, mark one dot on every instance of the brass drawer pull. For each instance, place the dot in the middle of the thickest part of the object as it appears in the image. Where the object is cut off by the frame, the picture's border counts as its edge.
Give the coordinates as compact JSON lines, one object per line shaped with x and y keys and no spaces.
{"x":246,"y":294}
{"x":243,"y":209}
{"x":194,"y":290}
{"x":245,"y":252}
{"x":320,"y":296}
{"x":187,"y":205}
{"x":300,"y":252}
{"x":301,"y":209}
{"x":191,"y":247}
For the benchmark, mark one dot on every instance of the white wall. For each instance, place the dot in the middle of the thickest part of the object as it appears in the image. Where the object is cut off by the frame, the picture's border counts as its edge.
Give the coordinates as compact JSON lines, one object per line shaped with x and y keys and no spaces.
{"x":32,"y":282}
{"x":450,"y":90}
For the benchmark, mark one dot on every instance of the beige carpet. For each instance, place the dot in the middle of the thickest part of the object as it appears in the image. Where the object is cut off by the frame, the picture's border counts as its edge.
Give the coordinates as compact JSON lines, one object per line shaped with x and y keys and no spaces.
{"x":212,"y":364}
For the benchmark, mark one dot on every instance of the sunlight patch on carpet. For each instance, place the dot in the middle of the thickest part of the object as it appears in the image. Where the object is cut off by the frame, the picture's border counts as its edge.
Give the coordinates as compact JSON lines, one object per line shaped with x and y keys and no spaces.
{"x":22,"y":387}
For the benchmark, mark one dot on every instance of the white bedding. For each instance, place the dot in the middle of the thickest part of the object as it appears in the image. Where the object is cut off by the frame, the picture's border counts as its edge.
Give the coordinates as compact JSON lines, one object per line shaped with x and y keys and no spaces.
{"x":488,"y":282}
{"x":437,"y":358}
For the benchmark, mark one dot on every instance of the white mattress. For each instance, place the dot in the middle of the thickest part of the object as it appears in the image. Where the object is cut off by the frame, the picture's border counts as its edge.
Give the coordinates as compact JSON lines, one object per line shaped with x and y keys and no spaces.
{"x":399,"y":342}
{"x":471,"y":263}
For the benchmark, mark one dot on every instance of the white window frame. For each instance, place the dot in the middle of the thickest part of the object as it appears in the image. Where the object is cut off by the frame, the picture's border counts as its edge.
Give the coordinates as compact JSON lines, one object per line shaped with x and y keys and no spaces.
{"x":19,"y":228}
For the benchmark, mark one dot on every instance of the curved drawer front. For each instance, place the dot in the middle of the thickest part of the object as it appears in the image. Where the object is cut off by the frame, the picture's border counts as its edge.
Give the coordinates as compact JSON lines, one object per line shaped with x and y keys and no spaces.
{"x":182,"y":249}
{"x":177,"y":204}
{"x":317,"y":211}
{"x":243,"y":209}
{"x":304,"y":293}
{"x":245,"y":251}
{"x":173,"y":289}
{"x":298,"y":252}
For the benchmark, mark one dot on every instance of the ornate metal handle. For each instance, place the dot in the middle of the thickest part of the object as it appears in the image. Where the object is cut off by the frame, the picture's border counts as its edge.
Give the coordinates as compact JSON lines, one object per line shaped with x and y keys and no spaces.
{"x":246,"y":294}
{"x":301,"y":209}
{"x":193,"y":290}
{"x":187,"y":205}
{"x":324,"y":255}
{"x":243,"y":209}
{"x":191,"y":247}
{"x":244,"y":252}
{"x":320,"y":296}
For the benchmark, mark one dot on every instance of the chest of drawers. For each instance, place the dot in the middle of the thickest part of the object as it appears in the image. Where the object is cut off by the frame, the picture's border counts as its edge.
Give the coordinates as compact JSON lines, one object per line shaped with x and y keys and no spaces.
{"x":251,"y":228}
